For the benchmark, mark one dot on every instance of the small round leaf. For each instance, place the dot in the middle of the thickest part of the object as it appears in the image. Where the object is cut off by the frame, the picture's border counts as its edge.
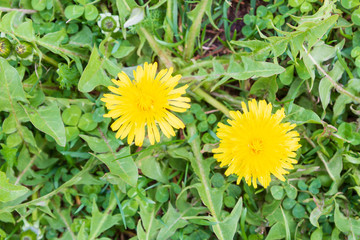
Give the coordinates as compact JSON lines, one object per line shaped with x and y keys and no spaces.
{"x":355,"y":17}
{"x":71,"y":133}
{"x":298,"y":211}
{"x":291,"y":191}
{"x":229,"y":201}
{"x":295,"y":3}
{"x":306,"y":7}
{"x":74,"y":11}
{"x":130,"y":207}
{"x":38,"y":5}
{"x":302,"y":185}
{"x":348,"y":4}
{"x":288,"y":203}
{"x":217,"y":180}
{"x":71,"y":115}
{"x":261,"y":11}
{"x":277,"y":192}
{"x":203,"y":126}
{"x":91,"y":12}
{"x":162,"y":194}
{"x":86,"y":122}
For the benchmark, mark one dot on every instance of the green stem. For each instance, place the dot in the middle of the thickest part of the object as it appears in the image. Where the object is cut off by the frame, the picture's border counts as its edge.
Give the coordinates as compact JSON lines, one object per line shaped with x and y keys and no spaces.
{"x":242,"y":224}
{"x":343,"y":63}
{"x":333,"y":82}
{"x":62,"y":217}
{"x":195,"y":29}
{"x":228,"y":98}
{"x":204,"y":180}
{"x":101,"y":222}
{"x":169,"y":35}
{"x":201,"y":64}
{"x":212,"y":101}
{"x":61,"y":8}
{"x":76,"y":178}
{"x":320,"y":155}
{"x":27,"y":11}
{"x":161,"y":52}
{"x":50,"y":60}
{"x":34,"y":214}
{"x":345,"y":35}
{"x":104,"y":8}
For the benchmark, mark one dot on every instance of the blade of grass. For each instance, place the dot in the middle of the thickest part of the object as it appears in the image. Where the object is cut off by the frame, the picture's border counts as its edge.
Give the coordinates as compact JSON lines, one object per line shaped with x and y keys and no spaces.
{"x":196,"y":16}
{"x":197,"y":163}
{"x":158,"y":49}
{"x":119,"y":205}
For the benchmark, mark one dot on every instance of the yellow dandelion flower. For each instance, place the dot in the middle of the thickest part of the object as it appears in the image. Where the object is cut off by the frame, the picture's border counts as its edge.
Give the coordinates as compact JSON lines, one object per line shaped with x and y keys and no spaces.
{"x":145,"y":103}
{"x":257,"y":144}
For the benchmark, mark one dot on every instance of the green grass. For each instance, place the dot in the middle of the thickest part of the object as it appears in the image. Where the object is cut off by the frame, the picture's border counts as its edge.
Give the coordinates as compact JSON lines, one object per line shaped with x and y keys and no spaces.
{"x":64,"y":175}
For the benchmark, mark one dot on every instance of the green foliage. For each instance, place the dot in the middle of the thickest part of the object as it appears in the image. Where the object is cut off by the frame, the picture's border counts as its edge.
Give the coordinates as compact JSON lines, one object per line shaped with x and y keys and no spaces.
{"x":64,"y":175}
{"x":10,"y":191}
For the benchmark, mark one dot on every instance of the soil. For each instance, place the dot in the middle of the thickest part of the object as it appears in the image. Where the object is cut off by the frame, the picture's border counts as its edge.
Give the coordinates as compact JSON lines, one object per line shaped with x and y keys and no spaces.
{"x":236,"y":13}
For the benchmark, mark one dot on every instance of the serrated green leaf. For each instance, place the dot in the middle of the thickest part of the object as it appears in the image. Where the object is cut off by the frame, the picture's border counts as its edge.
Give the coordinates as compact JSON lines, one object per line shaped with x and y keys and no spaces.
{"x":8,"y":191}
{"x":26,"y":31}
{"x":346,"y":225}
{"x":151,"y":167}
{"x":122,"y":165}
{"x":229,"y":225}
{"x":253,"y":69}
{"x":94,"y":74}
{"x":10,"y":86}
{"x":300,"y":115}
{"x":99,"y":145}
{"x":100,"y":222}
{"x":48,"y":120}
{"x":173,"y":220}
{"x":325,"y":85}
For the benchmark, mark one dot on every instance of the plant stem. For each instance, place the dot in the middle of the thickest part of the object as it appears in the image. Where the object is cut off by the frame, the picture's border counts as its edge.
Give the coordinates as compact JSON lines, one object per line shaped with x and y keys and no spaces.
{"x":161,"y":52}
{"x":344,"y":65}
{"x":198,"y":162}
{"x":212,"y":101}
{"x":195,"y":29}
{"x":68,"y":228}
{"x":333,"y":82}
{"x":232,"y":100}
{"x":50,"y":60}
{"x":104,"y":8}
{"x":4,"y":9}
{"x":169,"y":34}
{"x":31,"y":162}
{"x":108,"y":211}
{"x":60,"y":6}
{"x":201,"y":64}
{"x":41,"y":200}
{"x":320,"y":155}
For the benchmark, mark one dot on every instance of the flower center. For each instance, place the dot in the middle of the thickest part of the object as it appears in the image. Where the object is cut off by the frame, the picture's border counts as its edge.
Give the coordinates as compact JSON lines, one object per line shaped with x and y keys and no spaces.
{"x":21,"y":49}
{"x":2,"y":47}
{"x":108,"y":24}
{"x":256,"y":146}
{"x":146,"y":102}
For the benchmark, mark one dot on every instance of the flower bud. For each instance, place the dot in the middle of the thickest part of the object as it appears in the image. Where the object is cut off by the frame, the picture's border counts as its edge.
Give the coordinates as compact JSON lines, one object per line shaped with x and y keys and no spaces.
{"x":23,"y":49}
{"x":5,"y":47}
{"x":28,"y":235}
{"x":108,"y":23}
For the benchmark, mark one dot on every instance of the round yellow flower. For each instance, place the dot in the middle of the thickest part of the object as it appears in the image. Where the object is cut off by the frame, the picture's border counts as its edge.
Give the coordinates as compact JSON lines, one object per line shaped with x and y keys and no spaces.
{"x":257,"y":144}
{"x":145,"y":103}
